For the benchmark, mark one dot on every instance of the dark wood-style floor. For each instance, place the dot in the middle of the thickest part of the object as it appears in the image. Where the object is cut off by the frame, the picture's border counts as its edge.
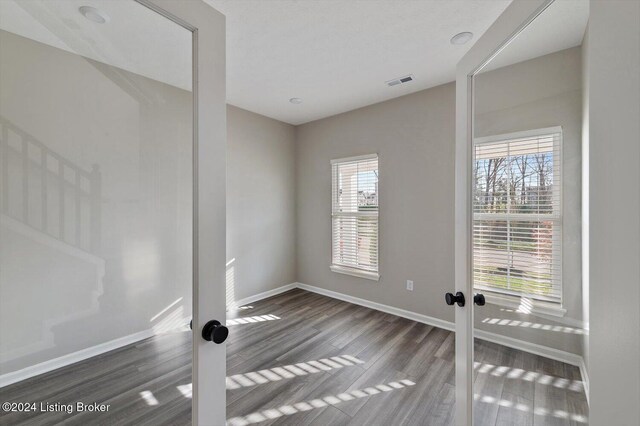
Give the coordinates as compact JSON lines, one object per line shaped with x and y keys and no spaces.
{"x":304,"y":359}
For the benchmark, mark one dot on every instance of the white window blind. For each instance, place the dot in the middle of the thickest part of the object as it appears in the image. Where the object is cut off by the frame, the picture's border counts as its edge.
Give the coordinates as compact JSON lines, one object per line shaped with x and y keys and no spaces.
{"x":517,"y":229}
{"x":354,"y":216}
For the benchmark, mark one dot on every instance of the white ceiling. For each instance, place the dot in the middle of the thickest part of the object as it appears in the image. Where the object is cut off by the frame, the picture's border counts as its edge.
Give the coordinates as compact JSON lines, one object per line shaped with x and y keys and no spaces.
{"x":334,"y":54}
{"x":337,"y":54}
{"x":135,"y":39}
{"x":561,"y":26}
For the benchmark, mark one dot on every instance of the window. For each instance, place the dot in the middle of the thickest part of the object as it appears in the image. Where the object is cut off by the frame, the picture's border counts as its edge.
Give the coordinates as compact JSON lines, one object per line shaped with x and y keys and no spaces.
{"x":517,"y":217}
{"x":354,"y":216}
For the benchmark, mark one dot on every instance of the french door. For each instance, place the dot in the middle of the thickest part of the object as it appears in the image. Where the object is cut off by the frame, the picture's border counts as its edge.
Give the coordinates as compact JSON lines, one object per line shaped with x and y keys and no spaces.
{"x":112,"y":238}
{"x":521,"y":325}
{"x":209,"y":206}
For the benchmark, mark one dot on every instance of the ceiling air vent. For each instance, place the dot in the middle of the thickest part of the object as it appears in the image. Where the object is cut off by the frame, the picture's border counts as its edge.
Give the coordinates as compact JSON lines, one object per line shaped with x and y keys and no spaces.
{"x":400,"y":80}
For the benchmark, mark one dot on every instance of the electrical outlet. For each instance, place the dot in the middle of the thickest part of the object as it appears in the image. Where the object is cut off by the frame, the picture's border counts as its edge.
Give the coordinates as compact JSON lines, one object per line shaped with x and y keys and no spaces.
{"x":409,"y":285}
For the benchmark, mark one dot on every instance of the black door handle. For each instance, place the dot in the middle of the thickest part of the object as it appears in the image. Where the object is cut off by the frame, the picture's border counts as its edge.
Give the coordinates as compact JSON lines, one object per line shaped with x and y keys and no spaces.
{"x":478,"y":299}
{"x":457,"y":298}
{"x":214,"y":332}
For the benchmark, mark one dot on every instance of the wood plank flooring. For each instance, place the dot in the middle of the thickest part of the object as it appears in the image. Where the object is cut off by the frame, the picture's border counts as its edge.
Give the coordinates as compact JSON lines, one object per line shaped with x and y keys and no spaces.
{"x":304,"y":359}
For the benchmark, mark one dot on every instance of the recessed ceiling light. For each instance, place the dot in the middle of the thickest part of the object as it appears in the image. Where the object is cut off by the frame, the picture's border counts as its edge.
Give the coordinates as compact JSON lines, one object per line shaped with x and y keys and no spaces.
{"x":461,"y":38}
{"x":93,"y":14}
{"x":295,"y":101}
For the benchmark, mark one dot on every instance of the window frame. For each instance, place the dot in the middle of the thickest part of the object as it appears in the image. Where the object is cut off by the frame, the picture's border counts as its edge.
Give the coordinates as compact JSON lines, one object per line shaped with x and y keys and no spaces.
{"x":346,"y":269}
{"x":513,"y":299}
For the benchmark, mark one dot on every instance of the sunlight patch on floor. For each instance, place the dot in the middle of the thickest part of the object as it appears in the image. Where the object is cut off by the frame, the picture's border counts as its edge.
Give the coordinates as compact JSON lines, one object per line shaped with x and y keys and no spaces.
{"x":534,"y":325}
{"x":254,"y":319}
{"x":149,"y":398}
{"x":289,"y":371}
{"x":234,"y":308}
{"x":186,"y":390}
{"x":540,"y":411}
{"x":529,"y":376}
{"x":287,"y":410}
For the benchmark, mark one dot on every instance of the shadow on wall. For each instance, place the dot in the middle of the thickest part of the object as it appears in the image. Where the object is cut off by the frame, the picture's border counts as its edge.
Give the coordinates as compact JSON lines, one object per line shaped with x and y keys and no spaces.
{"x":91,"y":246}
{"x":50,"y":224}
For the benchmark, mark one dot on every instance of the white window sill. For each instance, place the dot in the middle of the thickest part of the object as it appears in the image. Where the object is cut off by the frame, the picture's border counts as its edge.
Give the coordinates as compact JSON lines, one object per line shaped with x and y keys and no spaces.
{"x":374,"y":276}
{"x":530,"y":307}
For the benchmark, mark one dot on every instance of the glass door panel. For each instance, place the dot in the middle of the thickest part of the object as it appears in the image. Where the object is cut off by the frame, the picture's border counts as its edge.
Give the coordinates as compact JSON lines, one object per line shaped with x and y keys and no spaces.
{"x":530,"y":316}
{"x":96,"y":235}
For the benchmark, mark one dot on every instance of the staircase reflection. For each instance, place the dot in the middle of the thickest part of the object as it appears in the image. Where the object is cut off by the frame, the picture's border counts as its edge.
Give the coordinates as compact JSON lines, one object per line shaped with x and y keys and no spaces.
{"x":48,"y":192}
{"x":50,"y":222}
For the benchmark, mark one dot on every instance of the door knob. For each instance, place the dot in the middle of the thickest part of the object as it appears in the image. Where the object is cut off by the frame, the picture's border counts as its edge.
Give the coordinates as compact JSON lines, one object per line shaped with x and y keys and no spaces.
{"x":457,"y":298}
{"x":478,"y":299}
{"x":214,"y":332}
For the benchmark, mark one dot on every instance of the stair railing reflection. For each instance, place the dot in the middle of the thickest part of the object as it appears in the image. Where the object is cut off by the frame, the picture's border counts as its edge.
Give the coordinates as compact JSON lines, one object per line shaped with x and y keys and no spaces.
{"x":48,"y":192}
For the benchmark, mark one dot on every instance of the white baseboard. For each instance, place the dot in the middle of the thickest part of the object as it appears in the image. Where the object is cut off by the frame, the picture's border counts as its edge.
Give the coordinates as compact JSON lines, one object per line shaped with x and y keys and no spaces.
{"x":536,"y":349}
{"x":262,"y":295}
{"x":522,"y":345}
{"x":533,"y":348}
{"x":556,"y":354}
{"x":585,"y":378}
{"x":380,"y":307}
{"x":63,"y":361}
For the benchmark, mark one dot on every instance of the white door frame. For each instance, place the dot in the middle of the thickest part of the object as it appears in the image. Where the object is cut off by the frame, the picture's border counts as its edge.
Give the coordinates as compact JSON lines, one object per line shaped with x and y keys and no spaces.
{"x":513,"y":20}
{"x":209,"y":198}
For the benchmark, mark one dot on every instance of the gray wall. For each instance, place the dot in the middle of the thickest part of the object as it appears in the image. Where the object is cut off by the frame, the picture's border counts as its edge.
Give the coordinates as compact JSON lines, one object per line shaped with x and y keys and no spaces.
{"x":414,"y":138}
{"x":279,"y":186}
{"x":260,"y":204}
{"x":53,"y":294}
{"x":56,"y":292}
{"x":614,"y":222}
